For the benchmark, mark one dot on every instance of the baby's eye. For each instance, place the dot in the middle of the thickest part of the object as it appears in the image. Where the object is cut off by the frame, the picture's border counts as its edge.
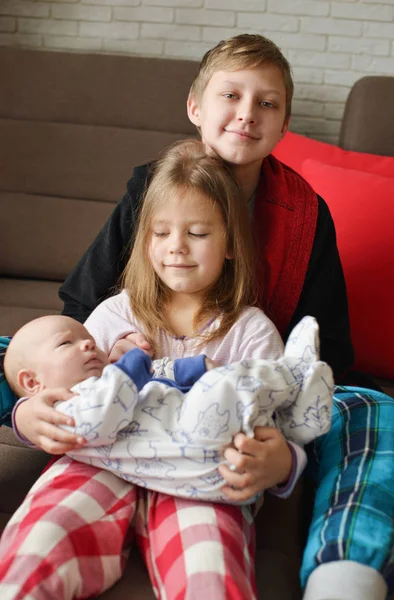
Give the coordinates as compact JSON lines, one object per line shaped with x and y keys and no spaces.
{"x":65,"y":343}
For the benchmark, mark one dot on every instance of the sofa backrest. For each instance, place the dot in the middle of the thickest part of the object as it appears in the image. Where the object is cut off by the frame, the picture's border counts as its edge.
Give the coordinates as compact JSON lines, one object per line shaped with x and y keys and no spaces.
{"x":72,"y":127}
{"x":368,"y":120}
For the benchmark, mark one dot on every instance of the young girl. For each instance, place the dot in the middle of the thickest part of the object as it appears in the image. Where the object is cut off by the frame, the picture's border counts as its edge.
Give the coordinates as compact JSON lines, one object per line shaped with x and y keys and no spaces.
{"x":188,"y":287}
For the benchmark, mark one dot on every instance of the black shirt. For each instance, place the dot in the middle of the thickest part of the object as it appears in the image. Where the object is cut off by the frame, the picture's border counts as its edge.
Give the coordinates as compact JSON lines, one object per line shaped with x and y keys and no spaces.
{"x":96,"y":275}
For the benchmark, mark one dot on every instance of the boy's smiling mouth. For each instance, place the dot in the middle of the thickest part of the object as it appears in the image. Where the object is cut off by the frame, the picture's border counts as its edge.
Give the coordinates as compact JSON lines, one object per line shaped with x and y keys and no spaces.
{"x":242,"y":134}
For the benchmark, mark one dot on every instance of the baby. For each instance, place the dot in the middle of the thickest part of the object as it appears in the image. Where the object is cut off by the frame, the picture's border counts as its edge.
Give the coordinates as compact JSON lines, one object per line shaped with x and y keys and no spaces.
{"x":168,"y":433}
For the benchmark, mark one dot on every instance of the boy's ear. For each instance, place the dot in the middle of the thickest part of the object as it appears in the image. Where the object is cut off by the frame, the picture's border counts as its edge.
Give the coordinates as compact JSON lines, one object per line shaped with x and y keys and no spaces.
{"x":285,"y":127}
{"x":28,"y":382}
{"x":193,"y":110}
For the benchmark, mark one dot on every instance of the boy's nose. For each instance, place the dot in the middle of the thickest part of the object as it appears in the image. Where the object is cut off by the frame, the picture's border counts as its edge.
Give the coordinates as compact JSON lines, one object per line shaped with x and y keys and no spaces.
{"x":246,"y":113}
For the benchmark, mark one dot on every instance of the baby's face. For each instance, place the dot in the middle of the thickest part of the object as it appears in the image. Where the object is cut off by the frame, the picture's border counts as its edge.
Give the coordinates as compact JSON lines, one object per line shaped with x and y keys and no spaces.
{"x":66,"y":354}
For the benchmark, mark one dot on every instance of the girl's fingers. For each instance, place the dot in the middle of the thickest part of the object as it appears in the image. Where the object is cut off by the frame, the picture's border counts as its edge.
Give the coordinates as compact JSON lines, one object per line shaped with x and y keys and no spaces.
{"x":233,"y":478}
{"x":55,"y":434}
{"x":240,"y":495}
{"x":239,"y":460}
{"x":53,"y":447}
{"x":56,"y":418}
{"x":53,"y":396}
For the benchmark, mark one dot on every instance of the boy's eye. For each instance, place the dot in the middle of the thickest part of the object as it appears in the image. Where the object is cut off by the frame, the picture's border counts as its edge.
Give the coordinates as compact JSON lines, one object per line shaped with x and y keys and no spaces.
{"x":267,"y":104}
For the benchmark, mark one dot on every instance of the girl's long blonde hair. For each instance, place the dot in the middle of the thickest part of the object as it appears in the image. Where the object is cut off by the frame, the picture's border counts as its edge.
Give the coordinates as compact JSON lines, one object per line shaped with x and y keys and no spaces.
{"x":186,"y":166}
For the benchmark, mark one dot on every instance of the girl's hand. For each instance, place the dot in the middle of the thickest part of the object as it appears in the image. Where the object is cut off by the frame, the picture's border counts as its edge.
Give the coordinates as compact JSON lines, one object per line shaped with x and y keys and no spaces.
{"x":130,"y":341}
{"x":38,"y":421}
{"x":260,"y":463}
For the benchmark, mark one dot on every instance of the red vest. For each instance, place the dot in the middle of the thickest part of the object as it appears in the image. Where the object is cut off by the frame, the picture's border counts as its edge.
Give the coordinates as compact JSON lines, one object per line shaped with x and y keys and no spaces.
{"x":285,"y":220}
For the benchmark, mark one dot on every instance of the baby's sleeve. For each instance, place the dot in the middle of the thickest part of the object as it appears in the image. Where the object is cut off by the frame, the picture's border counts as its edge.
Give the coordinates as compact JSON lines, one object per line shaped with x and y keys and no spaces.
{"x":102,"y":407}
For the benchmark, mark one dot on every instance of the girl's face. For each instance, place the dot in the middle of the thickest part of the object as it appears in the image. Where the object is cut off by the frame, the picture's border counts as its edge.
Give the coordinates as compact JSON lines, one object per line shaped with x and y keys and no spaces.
{"x":188,"y":243}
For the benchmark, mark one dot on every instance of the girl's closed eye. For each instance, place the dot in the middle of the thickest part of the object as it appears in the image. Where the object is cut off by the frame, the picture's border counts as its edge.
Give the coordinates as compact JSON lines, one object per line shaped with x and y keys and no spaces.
{"x":198,"y":235}
{"x":159,"y":233}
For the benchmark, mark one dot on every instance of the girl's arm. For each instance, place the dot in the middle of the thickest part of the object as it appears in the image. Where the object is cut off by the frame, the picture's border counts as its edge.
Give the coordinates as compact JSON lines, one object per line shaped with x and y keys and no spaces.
{"x":37,"y":423}
{"x":96,"y":274}
{"x":265,"y":462}
{"x":253,"y":336}
{"x":111,"y":321}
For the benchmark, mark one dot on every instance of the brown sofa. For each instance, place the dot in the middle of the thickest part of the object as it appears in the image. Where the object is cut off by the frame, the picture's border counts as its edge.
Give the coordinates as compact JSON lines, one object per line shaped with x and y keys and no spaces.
{"x":72,"y":127}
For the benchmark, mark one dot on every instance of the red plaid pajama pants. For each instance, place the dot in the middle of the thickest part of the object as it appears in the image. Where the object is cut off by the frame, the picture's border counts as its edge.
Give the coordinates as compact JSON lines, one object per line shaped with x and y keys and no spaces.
{"x":70,"y":539}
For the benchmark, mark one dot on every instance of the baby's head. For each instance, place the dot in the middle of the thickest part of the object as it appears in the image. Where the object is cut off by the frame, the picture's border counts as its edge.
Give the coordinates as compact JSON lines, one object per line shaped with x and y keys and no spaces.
{"x":49,"y":352}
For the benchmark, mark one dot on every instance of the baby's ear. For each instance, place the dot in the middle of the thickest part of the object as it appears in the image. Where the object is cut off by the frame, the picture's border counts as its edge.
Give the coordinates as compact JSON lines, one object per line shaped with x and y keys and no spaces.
{"x":28,"y":383}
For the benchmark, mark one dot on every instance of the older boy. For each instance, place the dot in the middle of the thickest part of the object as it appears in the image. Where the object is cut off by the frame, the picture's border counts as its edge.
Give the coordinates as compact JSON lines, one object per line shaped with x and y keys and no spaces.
{"x":241,"y":102}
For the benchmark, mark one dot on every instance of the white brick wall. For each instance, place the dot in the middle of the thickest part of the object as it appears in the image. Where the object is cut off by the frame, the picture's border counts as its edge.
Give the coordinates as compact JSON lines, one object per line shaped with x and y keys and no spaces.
{"x":330,"y":44}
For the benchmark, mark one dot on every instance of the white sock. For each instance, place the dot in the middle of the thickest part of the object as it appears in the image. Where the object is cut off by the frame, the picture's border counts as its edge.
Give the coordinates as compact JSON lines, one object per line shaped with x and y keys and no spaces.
{"x":345,"y":580}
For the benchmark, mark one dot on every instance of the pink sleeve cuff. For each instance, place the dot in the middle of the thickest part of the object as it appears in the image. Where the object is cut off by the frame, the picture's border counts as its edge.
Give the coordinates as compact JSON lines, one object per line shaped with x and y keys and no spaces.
{"x":20,"y":437}
{"x":299,"y":463}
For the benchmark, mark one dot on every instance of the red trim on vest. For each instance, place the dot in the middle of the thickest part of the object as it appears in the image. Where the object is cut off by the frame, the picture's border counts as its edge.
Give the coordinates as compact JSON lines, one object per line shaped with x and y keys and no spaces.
{"x":286,"y":209}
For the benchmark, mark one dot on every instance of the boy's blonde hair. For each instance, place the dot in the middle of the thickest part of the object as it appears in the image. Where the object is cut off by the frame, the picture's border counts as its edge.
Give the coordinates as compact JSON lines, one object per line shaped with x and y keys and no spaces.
{"x":187,"y":167}
{"x":245,"y":51}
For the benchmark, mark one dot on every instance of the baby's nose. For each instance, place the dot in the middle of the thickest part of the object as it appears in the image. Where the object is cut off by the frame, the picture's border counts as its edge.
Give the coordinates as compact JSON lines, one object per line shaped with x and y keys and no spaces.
{"x":88,"y":344}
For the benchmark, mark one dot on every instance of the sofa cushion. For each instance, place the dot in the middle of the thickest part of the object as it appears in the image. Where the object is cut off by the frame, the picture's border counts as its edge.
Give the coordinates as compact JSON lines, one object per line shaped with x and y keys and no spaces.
{"x":368,"y":120}
{"x":96,"y":89}
{"x":74,"y":161}
{"x":27,"y":462}
{"x":294,"y":149}
{"x":44,"y":236}
{"x":363,"y":211}
{"x":22,"y":300}
{"x":7,"y":397}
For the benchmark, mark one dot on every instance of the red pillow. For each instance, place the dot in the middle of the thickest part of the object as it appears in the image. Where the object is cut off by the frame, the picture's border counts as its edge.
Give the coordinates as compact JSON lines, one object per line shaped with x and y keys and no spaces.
{"x":362,"y":206}
{"x":294,"y":149}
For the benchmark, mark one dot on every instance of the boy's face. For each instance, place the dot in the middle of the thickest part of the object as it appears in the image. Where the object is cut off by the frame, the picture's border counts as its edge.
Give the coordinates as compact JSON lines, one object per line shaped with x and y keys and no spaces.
{"x":241,"y":114}
{"x":65,"y":354}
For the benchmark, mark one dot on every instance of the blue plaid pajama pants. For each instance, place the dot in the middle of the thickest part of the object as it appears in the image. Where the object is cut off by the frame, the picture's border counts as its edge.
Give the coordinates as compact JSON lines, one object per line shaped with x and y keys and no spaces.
{"x":353,"y":516}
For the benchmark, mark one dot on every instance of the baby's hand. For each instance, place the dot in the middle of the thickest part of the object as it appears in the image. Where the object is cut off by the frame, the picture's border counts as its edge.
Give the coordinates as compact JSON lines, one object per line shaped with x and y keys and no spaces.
{"x":38,"y":421}
{"x":130,"y":341}
{"x":210,"y":364}
{"x":260,"y":463}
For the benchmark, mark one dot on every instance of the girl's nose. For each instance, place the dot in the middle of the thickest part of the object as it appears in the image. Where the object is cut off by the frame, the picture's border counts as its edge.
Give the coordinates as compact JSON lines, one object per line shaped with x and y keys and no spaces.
{"x":178,"y":244}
